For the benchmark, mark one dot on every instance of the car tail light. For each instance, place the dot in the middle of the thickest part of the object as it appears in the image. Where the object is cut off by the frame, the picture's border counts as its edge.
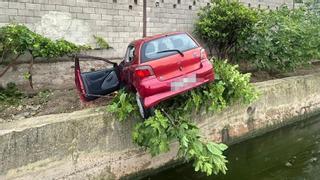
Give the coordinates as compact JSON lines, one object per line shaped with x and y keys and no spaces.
{"x":144,"y":71}
{"x":203,"y":54}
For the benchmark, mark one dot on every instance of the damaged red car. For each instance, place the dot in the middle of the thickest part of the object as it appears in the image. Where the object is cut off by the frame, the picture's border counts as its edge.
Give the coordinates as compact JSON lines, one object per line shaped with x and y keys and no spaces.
{"x":154,"y":68}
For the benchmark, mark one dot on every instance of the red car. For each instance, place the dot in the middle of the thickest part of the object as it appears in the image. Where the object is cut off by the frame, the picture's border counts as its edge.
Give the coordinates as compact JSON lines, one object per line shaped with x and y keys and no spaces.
{"x":155,"y":68}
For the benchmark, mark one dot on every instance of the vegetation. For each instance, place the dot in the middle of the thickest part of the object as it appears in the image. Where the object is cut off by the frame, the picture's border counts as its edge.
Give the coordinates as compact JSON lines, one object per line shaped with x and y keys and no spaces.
{"x":16,"y":40}
{"x":123,"y":104}
{"x":173,"y":118}
{"x":101,"y":43}
{"x":275,"y":41}
{"x":10,"y":95}
{"x":222,"y":24}
{"x":283,"y":40}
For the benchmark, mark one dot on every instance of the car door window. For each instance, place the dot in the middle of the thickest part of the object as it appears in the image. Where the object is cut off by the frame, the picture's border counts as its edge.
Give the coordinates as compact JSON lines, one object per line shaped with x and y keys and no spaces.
{"x":129,"y":54}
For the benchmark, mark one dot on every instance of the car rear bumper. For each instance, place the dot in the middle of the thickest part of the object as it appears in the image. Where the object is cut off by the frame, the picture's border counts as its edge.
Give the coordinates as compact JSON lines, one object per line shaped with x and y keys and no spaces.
{"x":155,"y":91}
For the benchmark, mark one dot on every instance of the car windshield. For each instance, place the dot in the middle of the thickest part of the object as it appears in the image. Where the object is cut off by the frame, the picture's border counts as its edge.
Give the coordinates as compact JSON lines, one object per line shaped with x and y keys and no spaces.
{"x":166,"y":46}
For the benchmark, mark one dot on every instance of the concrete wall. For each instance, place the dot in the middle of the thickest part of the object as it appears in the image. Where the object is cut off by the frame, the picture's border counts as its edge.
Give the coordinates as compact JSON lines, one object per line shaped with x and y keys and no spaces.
{"x":118,"y":21}
{"x":91,"y":143}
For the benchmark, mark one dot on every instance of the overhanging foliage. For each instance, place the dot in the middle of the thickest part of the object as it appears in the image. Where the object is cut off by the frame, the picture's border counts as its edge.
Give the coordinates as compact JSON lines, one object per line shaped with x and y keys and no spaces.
{"x":16,"y":40}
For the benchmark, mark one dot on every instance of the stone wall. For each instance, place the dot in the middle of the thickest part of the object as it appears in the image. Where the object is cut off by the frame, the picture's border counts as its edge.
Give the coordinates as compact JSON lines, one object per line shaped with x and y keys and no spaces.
{"x":92,"y":144}
{"x":118,"y":21}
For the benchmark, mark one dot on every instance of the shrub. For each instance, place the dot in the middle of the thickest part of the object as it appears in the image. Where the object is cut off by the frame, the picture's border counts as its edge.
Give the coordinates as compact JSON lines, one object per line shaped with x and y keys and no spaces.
{"x":222,"y":24}
{"x":173,"y":119}
{"x":283,"y":40}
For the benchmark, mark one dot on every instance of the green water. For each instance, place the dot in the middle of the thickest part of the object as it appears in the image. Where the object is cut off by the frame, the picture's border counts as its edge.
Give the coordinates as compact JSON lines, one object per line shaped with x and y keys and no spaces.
{"x":292,"y":152}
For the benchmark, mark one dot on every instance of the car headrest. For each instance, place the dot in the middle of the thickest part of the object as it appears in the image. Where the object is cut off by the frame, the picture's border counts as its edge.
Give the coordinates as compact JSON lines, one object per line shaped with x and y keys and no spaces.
{"x":178,"y":43}
{"x":150,"y":48}
{"x":162,"y":46}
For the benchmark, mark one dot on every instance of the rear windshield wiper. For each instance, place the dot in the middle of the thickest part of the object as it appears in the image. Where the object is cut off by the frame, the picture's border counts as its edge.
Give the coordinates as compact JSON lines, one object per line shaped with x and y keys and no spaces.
{"x":171,"y":50}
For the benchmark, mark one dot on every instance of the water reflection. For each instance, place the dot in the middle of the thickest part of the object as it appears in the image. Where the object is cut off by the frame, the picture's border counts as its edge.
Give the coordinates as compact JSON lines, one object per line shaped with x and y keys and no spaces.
{"x":291,"y":153}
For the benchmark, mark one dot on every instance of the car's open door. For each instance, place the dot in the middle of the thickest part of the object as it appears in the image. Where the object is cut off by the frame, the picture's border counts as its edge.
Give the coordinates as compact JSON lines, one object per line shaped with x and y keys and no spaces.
{"x":95,"y":84}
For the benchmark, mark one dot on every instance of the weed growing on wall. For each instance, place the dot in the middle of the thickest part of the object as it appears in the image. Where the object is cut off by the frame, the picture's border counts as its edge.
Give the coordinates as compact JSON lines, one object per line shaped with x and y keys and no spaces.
{"x":101,"y":43}
{"x":173,"y":119}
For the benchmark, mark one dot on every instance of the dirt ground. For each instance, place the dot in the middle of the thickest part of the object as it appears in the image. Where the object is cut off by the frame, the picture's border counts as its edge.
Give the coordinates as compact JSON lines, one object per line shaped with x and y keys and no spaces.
{"x":61,"y":101}
{"x":47,"y":102}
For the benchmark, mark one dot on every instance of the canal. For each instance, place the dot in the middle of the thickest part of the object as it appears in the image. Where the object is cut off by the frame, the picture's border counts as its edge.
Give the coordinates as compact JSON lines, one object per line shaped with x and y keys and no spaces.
{"x":292,"y":152}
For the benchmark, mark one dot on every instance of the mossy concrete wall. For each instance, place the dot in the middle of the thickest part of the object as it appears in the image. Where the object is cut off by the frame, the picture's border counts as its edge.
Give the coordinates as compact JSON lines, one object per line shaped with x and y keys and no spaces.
{"x":91,"y":143}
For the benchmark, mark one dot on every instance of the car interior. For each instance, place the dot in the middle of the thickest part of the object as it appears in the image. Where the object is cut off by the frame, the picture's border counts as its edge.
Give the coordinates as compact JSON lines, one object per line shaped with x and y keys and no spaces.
{"x":96,"y":83}
{"x":99,"y":83}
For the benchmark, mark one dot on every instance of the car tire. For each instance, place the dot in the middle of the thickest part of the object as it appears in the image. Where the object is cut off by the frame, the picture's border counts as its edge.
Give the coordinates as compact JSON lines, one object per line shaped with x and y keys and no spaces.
{"x":144,"y":112}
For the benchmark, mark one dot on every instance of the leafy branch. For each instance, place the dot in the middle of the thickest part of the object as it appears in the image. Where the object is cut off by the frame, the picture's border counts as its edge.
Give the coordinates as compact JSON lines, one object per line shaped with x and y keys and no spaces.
{"x":123,"y":105}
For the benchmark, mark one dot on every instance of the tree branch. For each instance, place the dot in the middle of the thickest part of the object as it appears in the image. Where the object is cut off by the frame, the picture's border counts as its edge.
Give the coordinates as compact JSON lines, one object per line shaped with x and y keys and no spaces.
{"x":30,"y":72}
{"x":10,"y":65}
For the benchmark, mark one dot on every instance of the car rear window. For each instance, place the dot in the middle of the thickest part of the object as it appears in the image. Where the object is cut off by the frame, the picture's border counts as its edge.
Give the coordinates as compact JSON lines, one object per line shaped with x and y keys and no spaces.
{"x":153,"y":49}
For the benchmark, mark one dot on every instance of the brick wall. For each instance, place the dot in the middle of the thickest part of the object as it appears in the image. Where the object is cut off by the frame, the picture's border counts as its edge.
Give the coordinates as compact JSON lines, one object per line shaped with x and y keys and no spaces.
{"x":118,"y":21}
{"x":172,"y":15}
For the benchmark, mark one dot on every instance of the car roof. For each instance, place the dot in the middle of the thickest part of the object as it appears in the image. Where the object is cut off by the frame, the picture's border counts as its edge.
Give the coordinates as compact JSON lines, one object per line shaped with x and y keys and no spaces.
{"x":149,"y":38}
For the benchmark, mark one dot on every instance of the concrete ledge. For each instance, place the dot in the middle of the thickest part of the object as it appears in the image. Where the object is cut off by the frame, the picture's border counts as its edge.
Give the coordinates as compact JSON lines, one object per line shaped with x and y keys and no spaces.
{"x":49,"y":74}
{"x":91,"y":143}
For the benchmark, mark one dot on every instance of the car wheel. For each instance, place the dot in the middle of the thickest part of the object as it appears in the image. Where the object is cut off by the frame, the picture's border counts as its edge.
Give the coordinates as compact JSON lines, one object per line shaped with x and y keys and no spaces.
{"x":144,"y":112}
